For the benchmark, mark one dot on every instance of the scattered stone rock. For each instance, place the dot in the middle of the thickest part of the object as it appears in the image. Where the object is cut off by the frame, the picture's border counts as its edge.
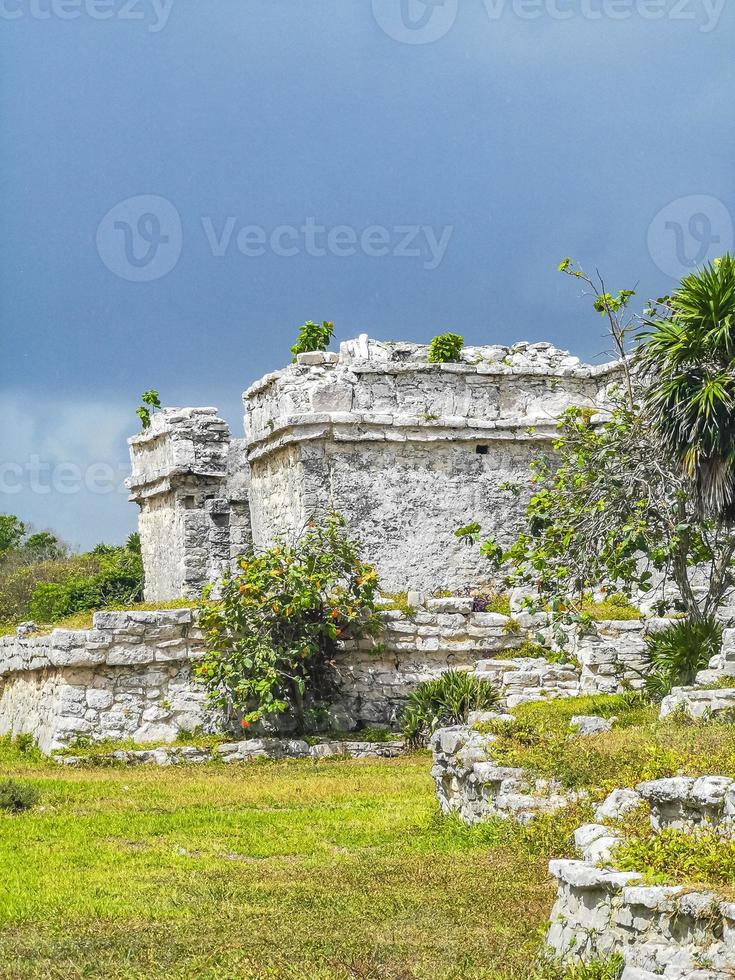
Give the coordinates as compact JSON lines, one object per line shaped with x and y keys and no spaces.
{"x":591,"y":724}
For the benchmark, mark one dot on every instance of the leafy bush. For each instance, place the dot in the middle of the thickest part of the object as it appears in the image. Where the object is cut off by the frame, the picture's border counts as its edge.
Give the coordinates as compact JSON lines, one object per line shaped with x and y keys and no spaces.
{"x":16,"y":796}
{"x":119,"y":580}
{"x":447,"y":700}
{"x":18,"y":581}
{"x":313,"y":337}
{"x":677,"y":653}
{"x":271,"y":639}
{"x":679,"y":857}
{"x":445,"y":348}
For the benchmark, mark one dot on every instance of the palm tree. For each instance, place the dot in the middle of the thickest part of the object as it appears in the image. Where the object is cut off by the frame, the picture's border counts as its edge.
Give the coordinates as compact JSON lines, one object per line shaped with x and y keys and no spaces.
{"x":688,"y":354}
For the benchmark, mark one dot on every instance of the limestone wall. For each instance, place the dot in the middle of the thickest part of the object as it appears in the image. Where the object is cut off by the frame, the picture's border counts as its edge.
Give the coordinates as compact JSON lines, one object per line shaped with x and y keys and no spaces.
{"x":126,"y":678}
{"x":670,"y":932}
{"x":407,"y":450}
{"x":377,"y":675}
{"x":129,"y":677}
{"x":662,"y":931}
{"x":612,"y":653}
{"x":190,"y":481}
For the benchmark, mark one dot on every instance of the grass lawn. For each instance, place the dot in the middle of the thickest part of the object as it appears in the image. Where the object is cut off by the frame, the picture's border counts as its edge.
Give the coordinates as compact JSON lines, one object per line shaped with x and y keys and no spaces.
{"x":276,"y":869}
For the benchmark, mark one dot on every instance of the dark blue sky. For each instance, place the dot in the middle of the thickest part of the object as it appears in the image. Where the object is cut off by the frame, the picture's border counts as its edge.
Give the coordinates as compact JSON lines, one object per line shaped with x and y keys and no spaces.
{"x":485,"y":139}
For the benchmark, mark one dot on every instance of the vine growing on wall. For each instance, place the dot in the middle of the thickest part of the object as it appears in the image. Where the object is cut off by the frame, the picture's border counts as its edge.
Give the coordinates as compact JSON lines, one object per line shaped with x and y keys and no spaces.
{"x":272,"y":636}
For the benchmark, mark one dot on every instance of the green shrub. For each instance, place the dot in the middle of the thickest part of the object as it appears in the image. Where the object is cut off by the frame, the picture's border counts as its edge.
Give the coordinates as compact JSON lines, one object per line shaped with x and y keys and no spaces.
{"x":447,"y":700}
{"x":272,"y":637}
{"x":679,"y":857}
{"x":445,"y":348}
{"x":313,"y":337}
{"x":677,"y":653}
{"x":119,"y":581}
{"x":609,"y":969}
{"x":16,"y":796}
{"x":19,"y":580}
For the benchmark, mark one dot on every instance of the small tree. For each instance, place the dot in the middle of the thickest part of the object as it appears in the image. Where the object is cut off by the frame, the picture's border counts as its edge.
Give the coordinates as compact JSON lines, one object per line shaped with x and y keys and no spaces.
{"x":689,"y":358}
{"x":313,"y":337}
{"x":271,"y":638}
{"x":12,"y":530}
{"x":613,"y":505}
{"x":150,"y":401}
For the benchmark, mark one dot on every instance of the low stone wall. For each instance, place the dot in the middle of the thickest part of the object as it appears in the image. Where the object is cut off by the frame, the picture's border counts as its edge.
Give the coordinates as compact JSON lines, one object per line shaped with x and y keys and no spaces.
{"x":377,"y":675}
{"x":474,"y":787}
{"x":129,"y":677}
{"x":612,"y":653}
{"x":242,"y":751}
{"x":714,"y":691}
{"x":663,"y":930}
{"x":126,"y":678}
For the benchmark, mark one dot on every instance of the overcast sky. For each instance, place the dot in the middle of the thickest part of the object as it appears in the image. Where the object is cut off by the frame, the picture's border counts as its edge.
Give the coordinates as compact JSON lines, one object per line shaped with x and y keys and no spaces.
{"x":186,"y":182}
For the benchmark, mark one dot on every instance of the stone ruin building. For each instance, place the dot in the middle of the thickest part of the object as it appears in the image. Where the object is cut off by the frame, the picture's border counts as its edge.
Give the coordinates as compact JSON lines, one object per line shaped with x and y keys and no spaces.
{"x":406,"y":450}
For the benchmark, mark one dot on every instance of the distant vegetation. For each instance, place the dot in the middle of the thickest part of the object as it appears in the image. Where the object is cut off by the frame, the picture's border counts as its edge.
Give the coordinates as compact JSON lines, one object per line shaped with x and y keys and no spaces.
{"x":40,"y":579}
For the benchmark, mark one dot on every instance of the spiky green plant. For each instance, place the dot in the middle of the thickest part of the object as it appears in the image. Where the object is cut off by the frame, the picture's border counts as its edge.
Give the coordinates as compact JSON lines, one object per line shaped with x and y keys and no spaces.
{"x":446,"y":700}
{"x":677,"y":653}
{"x":689,"y":352}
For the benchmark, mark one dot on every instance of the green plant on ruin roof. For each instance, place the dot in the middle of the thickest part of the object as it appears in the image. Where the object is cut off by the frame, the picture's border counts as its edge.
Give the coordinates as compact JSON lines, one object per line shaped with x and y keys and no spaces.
{"x":313,"y":337}
{"x":151,"y":401}
{"x":446,"y":348}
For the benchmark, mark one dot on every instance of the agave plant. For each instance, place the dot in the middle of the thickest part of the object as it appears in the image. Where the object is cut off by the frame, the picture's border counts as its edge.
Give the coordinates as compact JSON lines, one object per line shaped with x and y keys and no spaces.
{"x":677,"y":653}
{"x":689,"y":354}
{"x":447,"y":700}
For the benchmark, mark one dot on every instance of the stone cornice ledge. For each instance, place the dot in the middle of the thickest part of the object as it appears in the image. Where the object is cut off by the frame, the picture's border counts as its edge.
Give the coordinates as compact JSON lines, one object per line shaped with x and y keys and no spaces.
{"x":370,"y":427}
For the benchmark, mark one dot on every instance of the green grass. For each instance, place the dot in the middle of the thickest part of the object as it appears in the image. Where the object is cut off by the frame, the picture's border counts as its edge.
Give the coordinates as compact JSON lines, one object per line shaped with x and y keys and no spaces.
{"x":83,"y":620}
{"x":336,"y":869}
{"x":639,"y":747}
{"x":676,"y":857}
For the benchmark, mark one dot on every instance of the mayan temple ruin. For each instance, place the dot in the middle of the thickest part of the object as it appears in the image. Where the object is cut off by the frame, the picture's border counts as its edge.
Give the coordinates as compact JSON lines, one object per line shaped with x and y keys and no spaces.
{"x":406,"y":450}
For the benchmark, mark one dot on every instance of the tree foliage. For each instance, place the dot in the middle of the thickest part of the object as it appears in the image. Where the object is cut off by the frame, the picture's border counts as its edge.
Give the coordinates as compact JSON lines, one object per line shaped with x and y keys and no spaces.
{"x":12,"y":530}
{"x":613,"y":506}
{"x":609,"y":509}
{"x":272,"y":636}
{"x":688,"y":355}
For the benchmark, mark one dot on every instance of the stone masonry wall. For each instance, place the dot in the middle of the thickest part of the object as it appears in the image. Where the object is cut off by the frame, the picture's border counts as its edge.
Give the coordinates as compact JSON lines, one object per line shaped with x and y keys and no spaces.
{"x":129,"y":677}
{"x":190,"y":481}
{"x":407,"y":450}
{"x":662,"y":931}
{"x":126,"y":678}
